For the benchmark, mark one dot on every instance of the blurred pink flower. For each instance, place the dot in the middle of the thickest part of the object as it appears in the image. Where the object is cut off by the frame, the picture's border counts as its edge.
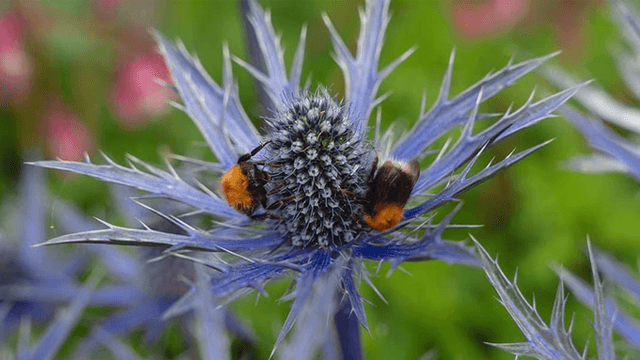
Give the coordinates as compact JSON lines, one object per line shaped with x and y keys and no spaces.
{"x":67,"y":137}
{"x":106,"y":7}
{"x":474,"y":19}
{"x":16,"y":67}
{"x":571,"y":20}
{"x":136,"y":96}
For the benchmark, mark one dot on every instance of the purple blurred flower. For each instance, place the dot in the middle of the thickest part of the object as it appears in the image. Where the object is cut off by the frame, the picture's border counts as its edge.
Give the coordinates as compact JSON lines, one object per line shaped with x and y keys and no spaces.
{"x":149,"y":283}
{"x":34,"y":281}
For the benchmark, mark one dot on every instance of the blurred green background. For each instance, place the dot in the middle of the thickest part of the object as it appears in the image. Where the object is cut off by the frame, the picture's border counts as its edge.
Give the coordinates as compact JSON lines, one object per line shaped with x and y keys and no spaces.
{"x":534,"y":215}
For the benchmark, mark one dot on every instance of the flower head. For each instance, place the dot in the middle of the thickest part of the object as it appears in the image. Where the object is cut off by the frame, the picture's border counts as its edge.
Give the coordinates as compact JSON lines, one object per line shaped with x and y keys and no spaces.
{"x":314,"y":140}
{"x":309,"y":174}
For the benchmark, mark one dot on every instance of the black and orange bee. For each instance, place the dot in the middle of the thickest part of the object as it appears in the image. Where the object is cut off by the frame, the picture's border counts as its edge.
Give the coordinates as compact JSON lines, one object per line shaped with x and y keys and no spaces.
{"x":243,"y":186}
{"x":389,"y":190}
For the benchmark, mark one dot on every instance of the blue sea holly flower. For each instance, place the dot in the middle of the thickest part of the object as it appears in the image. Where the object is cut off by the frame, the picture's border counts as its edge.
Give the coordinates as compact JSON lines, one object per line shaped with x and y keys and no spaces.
{"x":295,"y":197}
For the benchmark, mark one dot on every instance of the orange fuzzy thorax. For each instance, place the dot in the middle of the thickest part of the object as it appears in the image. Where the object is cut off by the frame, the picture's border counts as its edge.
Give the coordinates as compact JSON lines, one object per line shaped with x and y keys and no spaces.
{"x":385,"y":216}
{"x":234,"y":187}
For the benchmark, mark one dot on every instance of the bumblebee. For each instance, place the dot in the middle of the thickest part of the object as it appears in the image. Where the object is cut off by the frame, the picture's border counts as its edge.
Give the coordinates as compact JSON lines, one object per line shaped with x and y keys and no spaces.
{"x":243,"y":186}
{"x":389,"y":189}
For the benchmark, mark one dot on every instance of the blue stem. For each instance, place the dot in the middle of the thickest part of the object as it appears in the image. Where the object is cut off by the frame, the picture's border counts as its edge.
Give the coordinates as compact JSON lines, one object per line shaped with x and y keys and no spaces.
{"x":348,"y":329}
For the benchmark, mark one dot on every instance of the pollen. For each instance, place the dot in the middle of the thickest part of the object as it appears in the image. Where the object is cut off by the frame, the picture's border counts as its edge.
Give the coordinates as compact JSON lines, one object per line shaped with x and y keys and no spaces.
{"x":234,"y":188}
{"x":386,"y":216}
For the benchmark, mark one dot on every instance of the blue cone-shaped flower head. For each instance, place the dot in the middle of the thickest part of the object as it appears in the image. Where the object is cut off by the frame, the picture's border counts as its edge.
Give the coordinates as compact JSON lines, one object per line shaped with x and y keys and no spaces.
{"x":295,"y":206}
{"x":315,"y":140}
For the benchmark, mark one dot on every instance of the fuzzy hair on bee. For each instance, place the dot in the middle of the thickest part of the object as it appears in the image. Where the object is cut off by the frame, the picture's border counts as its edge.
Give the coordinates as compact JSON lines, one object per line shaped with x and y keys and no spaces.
{"x":390,"y":187}
{"x":244,"y":184}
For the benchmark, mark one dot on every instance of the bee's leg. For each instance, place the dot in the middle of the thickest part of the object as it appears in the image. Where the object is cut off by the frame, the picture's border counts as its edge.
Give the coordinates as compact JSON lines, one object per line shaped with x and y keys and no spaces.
{"x":282,"y":201}
{"x":265,"y":216}
{"x":277,"y":188}
{"x":246,"y":157}
{"x":357,"y":219}
{"x":359,"y":199}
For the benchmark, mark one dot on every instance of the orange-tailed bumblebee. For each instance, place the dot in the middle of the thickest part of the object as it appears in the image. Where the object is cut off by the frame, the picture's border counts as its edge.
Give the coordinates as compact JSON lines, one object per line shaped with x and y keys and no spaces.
{"x":244,"y":186}
{"x":390,"y":186}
